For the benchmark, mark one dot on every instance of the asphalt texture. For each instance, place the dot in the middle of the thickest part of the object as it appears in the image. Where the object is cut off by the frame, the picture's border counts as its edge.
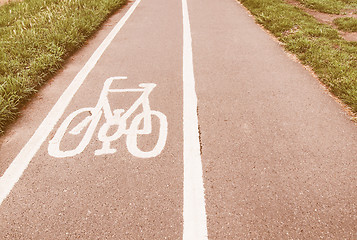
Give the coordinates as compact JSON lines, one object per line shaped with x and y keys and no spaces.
{"x":278,"y":152}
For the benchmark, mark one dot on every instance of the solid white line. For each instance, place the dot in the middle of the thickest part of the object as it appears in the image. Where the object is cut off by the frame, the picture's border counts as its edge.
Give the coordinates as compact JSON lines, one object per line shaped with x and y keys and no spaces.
{"x":194,"y":212}
{"x":22,"y":160}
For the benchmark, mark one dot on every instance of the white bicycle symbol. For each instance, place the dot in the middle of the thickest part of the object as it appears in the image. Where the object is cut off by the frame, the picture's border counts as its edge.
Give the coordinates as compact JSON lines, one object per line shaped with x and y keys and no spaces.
{"x":113,"y":118}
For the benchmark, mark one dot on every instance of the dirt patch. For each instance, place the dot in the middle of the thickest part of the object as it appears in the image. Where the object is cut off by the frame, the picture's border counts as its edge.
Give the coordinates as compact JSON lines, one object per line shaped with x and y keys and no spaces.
{"x":328,"y":18}
{"x":349,"y":36}
{"x":2,"y":2}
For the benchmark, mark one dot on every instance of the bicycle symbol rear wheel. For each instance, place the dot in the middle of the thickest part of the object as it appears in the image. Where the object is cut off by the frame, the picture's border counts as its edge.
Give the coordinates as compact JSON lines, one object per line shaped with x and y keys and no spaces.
{"x":54,"y":145}
{"x":132,"y":136}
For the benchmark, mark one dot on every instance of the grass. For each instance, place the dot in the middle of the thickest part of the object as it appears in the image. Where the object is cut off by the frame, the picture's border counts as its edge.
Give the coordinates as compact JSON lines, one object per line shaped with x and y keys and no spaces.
{"x":317,"y":45}
{"x":347,"y":24}
{"x":329,"y":6}
{"x":35,"y":39}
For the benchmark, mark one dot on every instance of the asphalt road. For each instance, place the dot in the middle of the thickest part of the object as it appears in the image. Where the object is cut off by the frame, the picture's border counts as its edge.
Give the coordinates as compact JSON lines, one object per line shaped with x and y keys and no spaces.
{"x":225,"y":136}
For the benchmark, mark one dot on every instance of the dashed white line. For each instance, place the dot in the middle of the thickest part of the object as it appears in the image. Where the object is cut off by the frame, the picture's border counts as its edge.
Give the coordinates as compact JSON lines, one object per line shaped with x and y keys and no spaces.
{"x":22,"y":160}
{"x":194,"y":210}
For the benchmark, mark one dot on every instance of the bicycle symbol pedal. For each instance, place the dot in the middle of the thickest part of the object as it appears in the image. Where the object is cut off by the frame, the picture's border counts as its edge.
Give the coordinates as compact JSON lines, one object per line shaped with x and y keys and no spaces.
{"x":118,"y":118}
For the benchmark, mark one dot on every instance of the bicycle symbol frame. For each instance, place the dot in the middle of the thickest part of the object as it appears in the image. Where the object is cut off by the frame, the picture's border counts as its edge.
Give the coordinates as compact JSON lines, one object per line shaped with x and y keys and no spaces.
{"x":117,"y":117}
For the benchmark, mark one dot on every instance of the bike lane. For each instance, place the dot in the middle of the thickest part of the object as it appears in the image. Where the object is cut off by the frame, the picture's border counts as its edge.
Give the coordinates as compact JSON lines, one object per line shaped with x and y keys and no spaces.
{"x":118,"y":195}
{"x":278,"y":153}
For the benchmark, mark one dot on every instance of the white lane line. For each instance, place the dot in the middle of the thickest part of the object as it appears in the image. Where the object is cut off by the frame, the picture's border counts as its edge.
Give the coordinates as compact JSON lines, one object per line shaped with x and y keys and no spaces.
{"x":22,"y":160}
{"x":194,"y":212}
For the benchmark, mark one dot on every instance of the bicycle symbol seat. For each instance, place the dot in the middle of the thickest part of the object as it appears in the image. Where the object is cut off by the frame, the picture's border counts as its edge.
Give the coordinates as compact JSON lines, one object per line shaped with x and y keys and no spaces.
{"x":118,"y":118}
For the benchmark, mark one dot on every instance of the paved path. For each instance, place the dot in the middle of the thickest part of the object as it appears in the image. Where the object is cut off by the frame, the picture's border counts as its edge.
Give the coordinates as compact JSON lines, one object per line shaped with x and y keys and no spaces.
{"x":264,"y":151}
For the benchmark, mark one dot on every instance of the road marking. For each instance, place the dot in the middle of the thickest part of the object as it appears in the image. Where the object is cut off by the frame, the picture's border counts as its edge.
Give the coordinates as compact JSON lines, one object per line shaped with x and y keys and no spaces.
{"x":117,"y":117}
{"x":194,"y":213}
{"x":22,"y":160}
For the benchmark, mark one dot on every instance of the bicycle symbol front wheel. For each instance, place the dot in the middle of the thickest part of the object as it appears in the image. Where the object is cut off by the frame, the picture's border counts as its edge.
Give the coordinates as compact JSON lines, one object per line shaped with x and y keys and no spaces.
{"x":132,"y":136}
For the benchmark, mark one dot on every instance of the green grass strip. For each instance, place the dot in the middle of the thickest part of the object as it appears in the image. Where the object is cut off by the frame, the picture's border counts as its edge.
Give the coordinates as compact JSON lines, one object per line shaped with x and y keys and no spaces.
{"x":35,"y":39}
{"x":329,"y":6}
{"x":319,"y":46}
{"x":347,"y":24}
